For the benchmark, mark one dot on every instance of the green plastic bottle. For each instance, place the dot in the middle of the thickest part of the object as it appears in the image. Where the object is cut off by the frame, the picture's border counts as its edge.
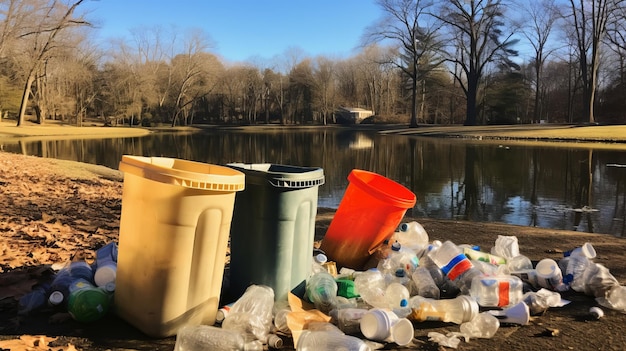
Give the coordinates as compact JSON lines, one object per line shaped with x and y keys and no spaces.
{"x":86,"y":302}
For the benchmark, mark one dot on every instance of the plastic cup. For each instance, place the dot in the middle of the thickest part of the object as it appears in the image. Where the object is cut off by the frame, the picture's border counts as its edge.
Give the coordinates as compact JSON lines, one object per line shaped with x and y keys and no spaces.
{"x":384,"y":325}
{"x":549,"y":274}
{"x":369,"y":212}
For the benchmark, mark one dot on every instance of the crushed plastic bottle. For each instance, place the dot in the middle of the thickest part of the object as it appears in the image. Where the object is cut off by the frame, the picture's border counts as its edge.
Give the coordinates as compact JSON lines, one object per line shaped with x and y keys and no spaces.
{"x":251,"y":314}
{"x":321,"y":290}
{"x":371,"y":286}
{"x":412,"y":235}
{"x":484,"y":326}
{"x":316,"y":340}
{"x":458,"y":310}
{"x":497,"y":291}
{"x":204,"y":337}
{"x":579,"y":259}
{"x":425,"y":284}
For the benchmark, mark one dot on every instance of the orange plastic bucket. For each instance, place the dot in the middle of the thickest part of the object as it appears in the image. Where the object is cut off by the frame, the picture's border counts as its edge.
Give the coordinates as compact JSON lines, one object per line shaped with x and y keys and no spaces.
{"x":369,"y":212}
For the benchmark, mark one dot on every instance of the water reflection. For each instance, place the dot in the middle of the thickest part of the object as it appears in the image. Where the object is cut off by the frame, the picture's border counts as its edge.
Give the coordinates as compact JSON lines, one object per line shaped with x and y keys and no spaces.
{"x":574,"y":189}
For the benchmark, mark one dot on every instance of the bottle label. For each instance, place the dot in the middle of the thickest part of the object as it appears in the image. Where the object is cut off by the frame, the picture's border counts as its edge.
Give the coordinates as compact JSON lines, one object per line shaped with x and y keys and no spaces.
{"x":457,"y":266}
{"x":504,"y":289}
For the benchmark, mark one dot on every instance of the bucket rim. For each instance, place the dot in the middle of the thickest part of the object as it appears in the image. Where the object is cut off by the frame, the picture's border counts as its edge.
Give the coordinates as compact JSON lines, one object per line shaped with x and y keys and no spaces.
{"x":355,"y":177}
{"x":176,"y":172}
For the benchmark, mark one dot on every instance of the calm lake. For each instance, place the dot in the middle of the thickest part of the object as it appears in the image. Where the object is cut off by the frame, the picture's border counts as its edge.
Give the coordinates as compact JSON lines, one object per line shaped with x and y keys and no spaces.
{"x":551,"y":187}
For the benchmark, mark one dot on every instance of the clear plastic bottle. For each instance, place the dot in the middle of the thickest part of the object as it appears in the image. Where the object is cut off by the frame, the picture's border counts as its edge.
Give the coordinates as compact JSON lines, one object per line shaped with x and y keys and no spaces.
{"x":455,"y":265}
{"x":204,"y":337}
{"x":371,"y":286}
{"x":458,"y":310}
{"x":399,"y":258}
{"x":317,"y":340}
{"x":251,"y":314}
{"x":348,"y":320}
{"x":497,"y":291}
{"x":321,"y":290}
{"x":397,"y":295}
{"x":425,"y":284}
{"x":412,"y":235}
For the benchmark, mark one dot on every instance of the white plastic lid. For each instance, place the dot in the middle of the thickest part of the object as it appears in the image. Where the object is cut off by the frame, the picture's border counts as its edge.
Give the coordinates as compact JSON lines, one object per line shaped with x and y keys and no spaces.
{"x":55,"y":298}
{"x":104,"y":275}
{"x":321,"y":258}
{"x":402,"y":332}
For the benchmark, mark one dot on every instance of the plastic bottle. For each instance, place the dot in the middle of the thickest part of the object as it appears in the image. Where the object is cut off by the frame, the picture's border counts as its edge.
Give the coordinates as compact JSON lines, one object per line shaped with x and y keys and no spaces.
{"x":251,"y":314}
{"x":397,"y":295}
{"x":425,"y":284}
{"x":34,"y":300}
{"x":106,"y":264}
{"x":399,"y":258}
{"x":371,"y":285}
{"x":458,"y":310}
{"x":280,"y":311}
{"x":497,"y":291}
{"x":412,"y":235}
{"x":59,"y":288}
{"x":455,"y":265}
{"x":222,"y":312}
{"x":316,"y":340}
{"x":348,"y":319}
{"x":204,"y":337}
{"x":578,"y":261}
{"x":321,"y":290}
{"x":87,"y":302}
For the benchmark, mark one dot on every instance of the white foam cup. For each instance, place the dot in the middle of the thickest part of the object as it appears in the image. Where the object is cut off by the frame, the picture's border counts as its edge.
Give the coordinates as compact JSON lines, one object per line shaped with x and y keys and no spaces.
{"x":384,"y":325}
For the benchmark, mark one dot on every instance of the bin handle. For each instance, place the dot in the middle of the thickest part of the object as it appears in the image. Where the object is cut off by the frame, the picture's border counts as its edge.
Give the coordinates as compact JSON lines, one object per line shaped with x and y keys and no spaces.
{"x":295,"y":184}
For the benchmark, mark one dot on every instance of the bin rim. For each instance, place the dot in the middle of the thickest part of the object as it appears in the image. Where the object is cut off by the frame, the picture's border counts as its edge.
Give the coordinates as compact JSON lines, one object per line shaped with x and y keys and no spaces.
{"x":161,"y":169}
{"x":259,"y":173}
{"x":403,"y":202}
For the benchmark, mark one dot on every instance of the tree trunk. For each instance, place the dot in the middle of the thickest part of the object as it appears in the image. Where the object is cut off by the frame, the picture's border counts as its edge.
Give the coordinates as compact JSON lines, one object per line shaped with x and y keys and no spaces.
{"x":25,"y":96}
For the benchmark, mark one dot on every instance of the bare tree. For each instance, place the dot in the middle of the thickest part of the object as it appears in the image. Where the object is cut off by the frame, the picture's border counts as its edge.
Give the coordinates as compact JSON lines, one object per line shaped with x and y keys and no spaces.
{"x":476,"y":33}
{"x":324,"y":87}
{"x":540,"y":17}
{"x":410,"y":28}
{"x":589,"y":19}
{"x":55,"y":18}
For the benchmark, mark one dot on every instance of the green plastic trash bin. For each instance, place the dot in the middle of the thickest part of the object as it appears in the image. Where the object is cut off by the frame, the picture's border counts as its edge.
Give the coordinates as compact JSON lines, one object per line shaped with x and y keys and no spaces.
{"x":273,"y":227}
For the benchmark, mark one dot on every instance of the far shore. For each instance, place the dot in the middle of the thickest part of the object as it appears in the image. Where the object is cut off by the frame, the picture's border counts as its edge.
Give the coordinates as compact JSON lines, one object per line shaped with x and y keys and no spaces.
{"x":566,"y":135}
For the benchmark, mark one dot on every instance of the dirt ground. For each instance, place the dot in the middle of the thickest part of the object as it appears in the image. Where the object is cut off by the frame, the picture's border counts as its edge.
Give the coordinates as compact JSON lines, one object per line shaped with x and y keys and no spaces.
{"x":55,"y":211}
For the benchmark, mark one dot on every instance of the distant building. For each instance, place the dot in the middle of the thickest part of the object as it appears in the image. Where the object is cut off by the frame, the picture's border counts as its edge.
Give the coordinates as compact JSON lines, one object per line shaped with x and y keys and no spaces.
{"x":352,"y":115}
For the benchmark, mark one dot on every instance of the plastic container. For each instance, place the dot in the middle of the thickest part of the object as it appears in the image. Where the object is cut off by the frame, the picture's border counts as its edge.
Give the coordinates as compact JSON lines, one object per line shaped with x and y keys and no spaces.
{"x":384,"y":325}
{"x":549,"y":275}
{"x":368,"y":214}
{"x":106,"y":264}
{"x":316,"y":340}
{"x":497,"y":291}
{"x":34,"y":300}
{"x":174,"y":230}
{"x":371,"y":286}
{"x":273,"y":227}
{"x":87,"y":302}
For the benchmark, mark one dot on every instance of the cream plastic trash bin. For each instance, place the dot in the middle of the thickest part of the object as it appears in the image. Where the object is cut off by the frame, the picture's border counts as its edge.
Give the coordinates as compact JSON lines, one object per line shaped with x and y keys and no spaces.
{"x":174,"y":231}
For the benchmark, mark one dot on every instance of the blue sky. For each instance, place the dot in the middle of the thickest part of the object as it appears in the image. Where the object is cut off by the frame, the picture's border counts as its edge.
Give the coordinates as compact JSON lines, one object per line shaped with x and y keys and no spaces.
{"x":247,"y":29}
